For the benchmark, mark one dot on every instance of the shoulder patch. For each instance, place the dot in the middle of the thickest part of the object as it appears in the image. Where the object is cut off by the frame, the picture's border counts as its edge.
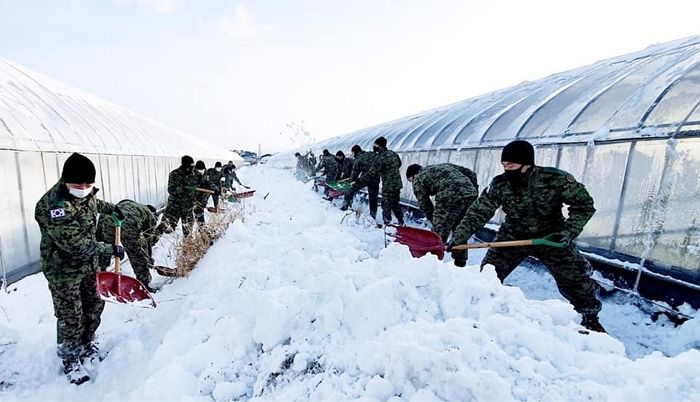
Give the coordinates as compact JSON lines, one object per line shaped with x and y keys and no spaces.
{"x":570,"y":178}
{"x":57,"y":213}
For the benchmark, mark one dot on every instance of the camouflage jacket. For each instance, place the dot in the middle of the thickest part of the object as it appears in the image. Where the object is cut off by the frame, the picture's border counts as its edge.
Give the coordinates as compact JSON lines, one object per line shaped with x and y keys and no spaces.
{"x":230,"y":176}
{"x":386,"y":165}
{"x":363,"y":161}
{"x":330,"y":167}
{"x":344,"y":168}
{"x":531,"y":211}
{"x":180,"y":183}
{"x":139,"y":221}
{"x":215,"y":177}
{"x":204,"y":182}
{"x":69,"y":248}
{"x":447,"y":182}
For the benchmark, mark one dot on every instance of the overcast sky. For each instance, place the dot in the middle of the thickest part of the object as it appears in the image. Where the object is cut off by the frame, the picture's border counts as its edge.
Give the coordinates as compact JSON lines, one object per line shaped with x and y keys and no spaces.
{"x":237,"y":72}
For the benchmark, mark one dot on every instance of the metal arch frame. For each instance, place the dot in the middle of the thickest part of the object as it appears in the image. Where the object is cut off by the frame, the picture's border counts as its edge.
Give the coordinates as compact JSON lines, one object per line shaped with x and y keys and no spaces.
{"x":663,"y":93}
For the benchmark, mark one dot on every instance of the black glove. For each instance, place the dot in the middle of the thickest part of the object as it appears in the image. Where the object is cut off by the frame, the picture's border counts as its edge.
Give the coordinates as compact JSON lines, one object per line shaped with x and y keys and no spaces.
{"x":118,"y":251}
{"x":120,"y":215}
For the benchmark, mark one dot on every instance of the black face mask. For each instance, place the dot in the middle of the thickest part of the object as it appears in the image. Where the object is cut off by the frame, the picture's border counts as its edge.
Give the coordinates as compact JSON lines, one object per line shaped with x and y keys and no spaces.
{"x":376,"y":149}
{"x":516,"y":177}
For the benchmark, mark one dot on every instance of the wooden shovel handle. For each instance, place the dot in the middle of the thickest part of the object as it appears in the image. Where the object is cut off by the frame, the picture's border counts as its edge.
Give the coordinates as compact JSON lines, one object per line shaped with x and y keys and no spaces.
{"x":204,"y":190}
{"x":495,"y":244}
{"x":118,"y":242}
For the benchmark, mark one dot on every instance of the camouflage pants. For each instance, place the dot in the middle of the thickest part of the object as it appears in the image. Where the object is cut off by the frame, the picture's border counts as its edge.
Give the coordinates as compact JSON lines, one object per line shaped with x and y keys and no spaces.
{"x":568,"y":267}
{"x":390,"y":203}
{"x":372,"y":191}
{"x":171,"y":216}
{"x":447,"y":216}
{"x":78,"y":309}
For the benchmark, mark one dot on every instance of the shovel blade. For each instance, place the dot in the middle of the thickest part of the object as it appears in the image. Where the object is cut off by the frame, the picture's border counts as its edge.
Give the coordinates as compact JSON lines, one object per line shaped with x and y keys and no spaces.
{"x":420,"y":241}
{"x":244,"y":194}
{"x":118,"y":288}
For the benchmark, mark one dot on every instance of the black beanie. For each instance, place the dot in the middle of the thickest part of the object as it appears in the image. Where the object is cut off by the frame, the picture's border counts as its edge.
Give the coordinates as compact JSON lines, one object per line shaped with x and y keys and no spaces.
{"x":381,"y":141}
{"x":325,"y":152}
{"x":339,"y":154}
{"x":200,"y":165}
{"x":356,"y":149}
{"x":187,"y":161}
{"x":78,"y":169}
{"x":217,"y":164}
{"x":520,"y":152}
{"x":413,"y":170}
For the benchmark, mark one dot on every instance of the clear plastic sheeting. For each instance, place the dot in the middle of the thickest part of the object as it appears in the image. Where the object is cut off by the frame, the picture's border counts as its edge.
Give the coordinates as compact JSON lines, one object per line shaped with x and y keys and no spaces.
{"x":43,"y":121}
{"x":627,"y":127}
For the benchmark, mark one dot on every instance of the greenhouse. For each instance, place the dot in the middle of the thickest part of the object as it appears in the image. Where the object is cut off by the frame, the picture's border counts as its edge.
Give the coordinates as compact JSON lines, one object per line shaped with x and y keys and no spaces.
{"x":43,"y":121}
{"x":627,"y":127}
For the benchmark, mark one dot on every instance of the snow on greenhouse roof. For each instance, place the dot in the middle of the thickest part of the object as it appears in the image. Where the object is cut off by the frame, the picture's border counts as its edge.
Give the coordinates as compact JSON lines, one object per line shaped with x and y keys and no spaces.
{"x":39,"y":113}
{"x":653,"y":92}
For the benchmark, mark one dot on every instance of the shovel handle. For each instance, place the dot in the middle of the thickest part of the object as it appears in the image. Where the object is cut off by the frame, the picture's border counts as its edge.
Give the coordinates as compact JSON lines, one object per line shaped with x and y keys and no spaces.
{"x":204,"y":190}
{"x":495,"y":244}
{"x":118,"y":242}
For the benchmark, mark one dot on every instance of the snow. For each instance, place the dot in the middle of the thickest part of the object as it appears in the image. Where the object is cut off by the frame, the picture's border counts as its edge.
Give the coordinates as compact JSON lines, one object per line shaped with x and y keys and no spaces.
{"x":292,"y":304}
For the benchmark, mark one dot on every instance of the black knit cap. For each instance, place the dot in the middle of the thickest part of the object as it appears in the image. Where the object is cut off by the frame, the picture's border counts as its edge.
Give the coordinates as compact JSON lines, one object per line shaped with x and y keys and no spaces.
{"x":200,"y":165}
{"x":187,"y":161}
{"x":339,"y":154}
{"x":78,"y":169}
{"x":520,"y":152}
{"x":356,"y":149}
{"x":381,"y":141}
{"x":413,"y":170}
{"x":217,"y":164}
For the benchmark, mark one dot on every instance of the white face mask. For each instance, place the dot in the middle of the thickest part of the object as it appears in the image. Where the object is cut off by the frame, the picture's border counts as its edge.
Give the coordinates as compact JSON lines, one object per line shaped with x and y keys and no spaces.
{"x":218,"y":169}
{"x":80,"y":193}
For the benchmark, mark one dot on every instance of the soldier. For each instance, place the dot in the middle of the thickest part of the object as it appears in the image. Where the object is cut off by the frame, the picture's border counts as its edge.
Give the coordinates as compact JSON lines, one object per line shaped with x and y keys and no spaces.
{"x":215,"y":176}
{"x":181,"y":196}
{"x":66,"y":215}
{"x":363,"y":161}
{"x":138,"y":237}
{"x":532,"y":198}
{"x":454,"y":188}
{"x":344,"y":166}
{"x":320,"y":162}
{"x":202,"y":197}
{"x":230,"y":175}
{"x":386,"y":165}
{"x":329,"y":166}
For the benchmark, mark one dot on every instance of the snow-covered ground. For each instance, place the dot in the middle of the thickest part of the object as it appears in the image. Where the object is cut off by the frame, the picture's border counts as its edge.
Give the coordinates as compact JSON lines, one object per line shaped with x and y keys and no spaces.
{"x":292,"y":304}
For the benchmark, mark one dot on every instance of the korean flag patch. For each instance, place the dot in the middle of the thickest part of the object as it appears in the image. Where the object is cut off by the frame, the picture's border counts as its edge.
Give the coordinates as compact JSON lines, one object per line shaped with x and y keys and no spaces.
{"x":58,"y":213}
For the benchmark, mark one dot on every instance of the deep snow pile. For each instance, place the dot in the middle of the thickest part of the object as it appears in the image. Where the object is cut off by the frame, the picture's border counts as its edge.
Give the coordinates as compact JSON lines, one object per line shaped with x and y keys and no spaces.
{"x":293,"y":305}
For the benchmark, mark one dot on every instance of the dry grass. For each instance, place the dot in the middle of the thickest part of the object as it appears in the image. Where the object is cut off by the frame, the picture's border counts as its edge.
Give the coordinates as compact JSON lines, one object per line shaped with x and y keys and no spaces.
{"x":191,"y":249}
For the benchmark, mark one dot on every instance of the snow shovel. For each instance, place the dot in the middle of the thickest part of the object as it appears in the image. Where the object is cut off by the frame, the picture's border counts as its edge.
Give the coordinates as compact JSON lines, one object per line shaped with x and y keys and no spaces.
{"x":243,"y":194}
{"x":420,"y":242}
{"x":117,"y":288}
{"x":340,"y":186}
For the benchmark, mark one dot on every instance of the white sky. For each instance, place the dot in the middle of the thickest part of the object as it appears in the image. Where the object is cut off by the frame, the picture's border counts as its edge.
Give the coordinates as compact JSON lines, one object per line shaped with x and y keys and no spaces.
{"x":237,"y":72}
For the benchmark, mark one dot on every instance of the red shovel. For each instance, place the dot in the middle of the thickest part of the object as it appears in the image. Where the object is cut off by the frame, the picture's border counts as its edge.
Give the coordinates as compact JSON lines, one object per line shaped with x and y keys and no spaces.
{"x":117,"y":288}
{"x":421,"y":242}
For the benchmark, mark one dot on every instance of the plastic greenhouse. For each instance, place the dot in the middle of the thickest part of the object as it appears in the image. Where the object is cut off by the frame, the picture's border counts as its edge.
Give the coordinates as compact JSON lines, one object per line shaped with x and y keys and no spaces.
{"x":42,"y":121}
{"x":628,"y":127}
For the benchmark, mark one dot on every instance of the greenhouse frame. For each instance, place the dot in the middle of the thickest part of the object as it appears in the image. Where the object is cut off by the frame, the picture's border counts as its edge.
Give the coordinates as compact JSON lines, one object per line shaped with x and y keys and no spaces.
{"x":43,"y":121}
{"x":627,"y":127}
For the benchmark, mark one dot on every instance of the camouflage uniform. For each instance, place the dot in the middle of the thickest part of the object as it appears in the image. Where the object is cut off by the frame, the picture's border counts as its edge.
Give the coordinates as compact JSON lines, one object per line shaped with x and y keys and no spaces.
{"x":454,"y":188}
{"x":201,"y":197}
{"x":230,"y":175}
{"x":386,"y":165}
{"x":344,"y":168}
{"x":69,"y":260}
{"x":181,"y":183}
{"x":363,"y":161}
{"x":215,"y":178}
{"x":330,"y":167}
{"x":138,"y":237}
{"x":535,"y":210}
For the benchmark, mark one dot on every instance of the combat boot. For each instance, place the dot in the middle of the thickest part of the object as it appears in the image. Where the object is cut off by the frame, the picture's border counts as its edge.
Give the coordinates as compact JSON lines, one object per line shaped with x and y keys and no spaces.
{"x":75,"y":371}
{"x":91,"y":353}
{"x":590,"y":321}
